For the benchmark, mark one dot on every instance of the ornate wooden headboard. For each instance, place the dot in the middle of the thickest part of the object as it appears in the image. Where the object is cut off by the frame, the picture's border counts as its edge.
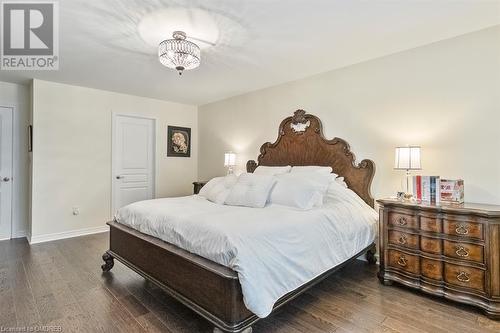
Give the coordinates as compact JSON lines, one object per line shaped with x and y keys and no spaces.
{"x":301,"y":142}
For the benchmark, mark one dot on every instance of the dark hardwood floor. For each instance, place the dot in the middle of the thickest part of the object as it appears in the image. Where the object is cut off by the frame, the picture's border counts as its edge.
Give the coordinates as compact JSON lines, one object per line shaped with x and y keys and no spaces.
{"x":60,"y":284}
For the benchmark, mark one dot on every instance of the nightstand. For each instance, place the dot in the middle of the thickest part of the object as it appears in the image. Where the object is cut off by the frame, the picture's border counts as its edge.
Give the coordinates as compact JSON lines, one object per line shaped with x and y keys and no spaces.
{"x":197,"y":186}
{"x":451,"y":251}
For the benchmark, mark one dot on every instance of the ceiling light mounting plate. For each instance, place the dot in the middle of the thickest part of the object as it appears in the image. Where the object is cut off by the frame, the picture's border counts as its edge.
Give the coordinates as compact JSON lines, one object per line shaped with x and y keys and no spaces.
{"x":179,"y":35}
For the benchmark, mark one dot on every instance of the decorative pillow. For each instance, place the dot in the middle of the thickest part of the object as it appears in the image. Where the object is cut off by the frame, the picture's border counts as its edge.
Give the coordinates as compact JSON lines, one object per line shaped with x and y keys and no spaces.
{"x":251,"y":190}
{"x":217,"y":189}
{"x":272,"y":171}
{"x":311,"y":168}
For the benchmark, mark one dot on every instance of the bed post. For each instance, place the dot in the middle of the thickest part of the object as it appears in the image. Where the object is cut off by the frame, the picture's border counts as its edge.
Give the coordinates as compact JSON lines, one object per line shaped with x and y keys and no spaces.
{"x":108,"y":262}
{"x":370,"y":255}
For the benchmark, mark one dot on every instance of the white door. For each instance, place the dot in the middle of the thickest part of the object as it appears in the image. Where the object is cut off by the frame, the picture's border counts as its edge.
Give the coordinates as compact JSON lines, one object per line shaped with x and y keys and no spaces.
{"x":133,"y":160}
{"x":5,"y":172}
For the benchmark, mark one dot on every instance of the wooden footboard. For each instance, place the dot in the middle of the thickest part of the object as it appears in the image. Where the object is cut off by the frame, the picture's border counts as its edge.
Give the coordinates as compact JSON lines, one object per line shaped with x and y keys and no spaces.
{"x":208,"y":288}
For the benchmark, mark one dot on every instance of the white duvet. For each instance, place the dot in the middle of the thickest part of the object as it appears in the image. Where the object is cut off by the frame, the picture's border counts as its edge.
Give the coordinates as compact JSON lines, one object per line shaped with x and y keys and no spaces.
{"x":274,"y":250}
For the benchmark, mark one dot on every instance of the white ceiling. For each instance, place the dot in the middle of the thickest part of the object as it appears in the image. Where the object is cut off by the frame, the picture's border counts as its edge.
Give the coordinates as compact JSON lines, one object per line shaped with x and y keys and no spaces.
{"x":109,"y":44}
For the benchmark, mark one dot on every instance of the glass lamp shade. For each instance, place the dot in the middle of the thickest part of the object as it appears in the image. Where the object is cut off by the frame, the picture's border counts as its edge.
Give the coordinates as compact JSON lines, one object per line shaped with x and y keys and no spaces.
{"x":229,"y":159}
{"x":407,"y":158}
{"x":179,"y":53}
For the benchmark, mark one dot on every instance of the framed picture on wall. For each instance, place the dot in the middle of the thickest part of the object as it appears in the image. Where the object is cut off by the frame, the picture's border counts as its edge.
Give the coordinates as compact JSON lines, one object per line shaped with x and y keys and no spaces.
{"x":178,"y":141}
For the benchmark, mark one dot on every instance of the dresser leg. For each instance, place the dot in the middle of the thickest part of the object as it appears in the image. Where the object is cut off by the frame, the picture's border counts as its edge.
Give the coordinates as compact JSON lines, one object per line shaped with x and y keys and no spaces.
{"x":246,"y":330}
{"x":387,"y":282}
{"x":383,"y":280}
{"x":492,"y":315}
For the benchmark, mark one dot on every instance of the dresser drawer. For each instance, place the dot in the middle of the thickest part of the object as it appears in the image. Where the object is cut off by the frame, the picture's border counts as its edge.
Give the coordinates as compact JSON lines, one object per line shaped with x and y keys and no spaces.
{"x":430,"y":245}
{"x":464,"y":251}
{"x":403,"y":261}
{"x":403,"y":239}
{"x":464,"y":276}
{"x":463,"y":229}
{"x":431,"y":269}
{"x":402,"y":220}
{"x":431,"y":224}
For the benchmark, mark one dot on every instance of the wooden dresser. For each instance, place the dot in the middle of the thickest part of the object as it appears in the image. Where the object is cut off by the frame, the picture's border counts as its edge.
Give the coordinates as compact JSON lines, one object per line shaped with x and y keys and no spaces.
{"x":449,"y":251}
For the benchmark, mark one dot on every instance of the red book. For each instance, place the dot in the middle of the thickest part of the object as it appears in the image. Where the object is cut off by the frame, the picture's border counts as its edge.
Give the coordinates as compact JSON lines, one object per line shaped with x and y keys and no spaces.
{"x":419,"y":187}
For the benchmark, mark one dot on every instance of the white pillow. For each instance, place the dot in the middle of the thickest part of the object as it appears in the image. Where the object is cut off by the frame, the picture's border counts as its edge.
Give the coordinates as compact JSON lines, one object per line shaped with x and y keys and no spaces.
{"x":338,"y":193}
{"x":250,"y":190}
{"x":337,"y":188}
{"x":217,"y":189}
{"x":208,"y":186}
{"x":341,"y":181}
{"x":272,"y":170}
{"x":300,"y":190}
{"x":297,"y":192}
{"x":311,"y":168}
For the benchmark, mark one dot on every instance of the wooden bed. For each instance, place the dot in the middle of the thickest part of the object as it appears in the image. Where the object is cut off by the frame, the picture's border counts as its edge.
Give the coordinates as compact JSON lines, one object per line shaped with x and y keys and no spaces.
{"x":213,"y":290}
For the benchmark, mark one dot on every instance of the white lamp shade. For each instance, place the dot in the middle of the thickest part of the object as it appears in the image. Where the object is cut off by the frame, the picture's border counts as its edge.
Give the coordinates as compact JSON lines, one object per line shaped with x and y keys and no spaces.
{"x":407,"y":158}
{"x":229,"y":159}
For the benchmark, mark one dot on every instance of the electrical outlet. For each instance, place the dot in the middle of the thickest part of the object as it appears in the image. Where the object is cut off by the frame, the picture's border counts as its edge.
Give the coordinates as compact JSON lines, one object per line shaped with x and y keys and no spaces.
{"x":76,"y":211}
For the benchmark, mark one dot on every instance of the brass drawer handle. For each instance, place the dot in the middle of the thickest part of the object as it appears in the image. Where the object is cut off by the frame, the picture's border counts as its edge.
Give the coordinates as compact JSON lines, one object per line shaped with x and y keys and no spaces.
{"x":463,"y":277}
{"x":402,"y":239}
{"x":402,"y":261}
{"x":402,"y":220}
{"x":462,"y":229}
{"x":462,"y":251}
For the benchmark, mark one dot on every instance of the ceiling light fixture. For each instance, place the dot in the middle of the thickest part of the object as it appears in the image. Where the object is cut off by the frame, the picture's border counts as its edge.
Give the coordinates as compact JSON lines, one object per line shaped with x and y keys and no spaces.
{"x":179,"y":53}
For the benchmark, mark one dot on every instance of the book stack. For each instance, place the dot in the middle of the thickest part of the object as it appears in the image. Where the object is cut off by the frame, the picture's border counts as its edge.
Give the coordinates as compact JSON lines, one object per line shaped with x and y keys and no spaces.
{"x":427,"y":189}
{"x":452,"y":191}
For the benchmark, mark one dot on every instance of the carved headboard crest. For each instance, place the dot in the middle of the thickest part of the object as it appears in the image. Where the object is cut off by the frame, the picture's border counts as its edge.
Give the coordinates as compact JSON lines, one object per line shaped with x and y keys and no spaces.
{"x":301,"y":142}
{"x":299,"y":122}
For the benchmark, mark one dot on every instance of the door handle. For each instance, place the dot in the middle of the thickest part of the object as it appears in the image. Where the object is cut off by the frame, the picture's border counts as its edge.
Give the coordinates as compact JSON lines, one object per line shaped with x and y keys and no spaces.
{"x":119,"y":177}
{"x":5,"y":179}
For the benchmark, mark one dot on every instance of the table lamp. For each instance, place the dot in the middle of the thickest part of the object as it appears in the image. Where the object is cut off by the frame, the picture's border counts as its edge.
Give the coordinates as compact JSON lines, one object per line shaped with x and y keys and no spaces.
{"x":229,"y":161}
{"x":407,"y":158}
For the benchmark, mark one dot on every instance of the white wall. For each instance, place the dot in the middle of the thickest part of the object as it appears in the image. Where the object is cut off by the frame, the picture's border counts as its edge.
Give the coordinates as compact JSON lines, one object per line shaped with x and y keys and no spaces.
{"x":72,"y":154}
{"x":444,"y":97}
{"x":18,"y":96}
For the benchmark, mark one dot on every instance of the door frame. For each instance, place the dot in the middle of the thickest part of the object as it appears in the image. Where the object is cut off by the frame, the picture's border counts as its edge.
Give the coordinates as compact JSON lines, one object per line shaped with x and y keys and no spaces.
{"x":13,"y":191}
{"x":114,"y":116}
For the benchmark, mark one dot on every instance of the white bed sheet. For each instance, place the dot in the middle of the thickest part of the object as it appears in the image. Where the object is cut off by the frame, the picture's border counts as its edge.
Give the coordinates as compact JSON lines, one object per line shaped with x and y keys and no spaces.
{"x":274,"y":250}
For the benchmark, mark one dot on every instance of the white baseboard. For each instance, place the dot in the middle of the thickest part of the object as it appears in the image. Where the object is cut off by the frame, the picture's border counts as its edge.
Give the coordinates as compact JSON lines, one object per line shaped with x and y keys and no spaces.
{"x":67,"y":234}
{"x":20,"y":234}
